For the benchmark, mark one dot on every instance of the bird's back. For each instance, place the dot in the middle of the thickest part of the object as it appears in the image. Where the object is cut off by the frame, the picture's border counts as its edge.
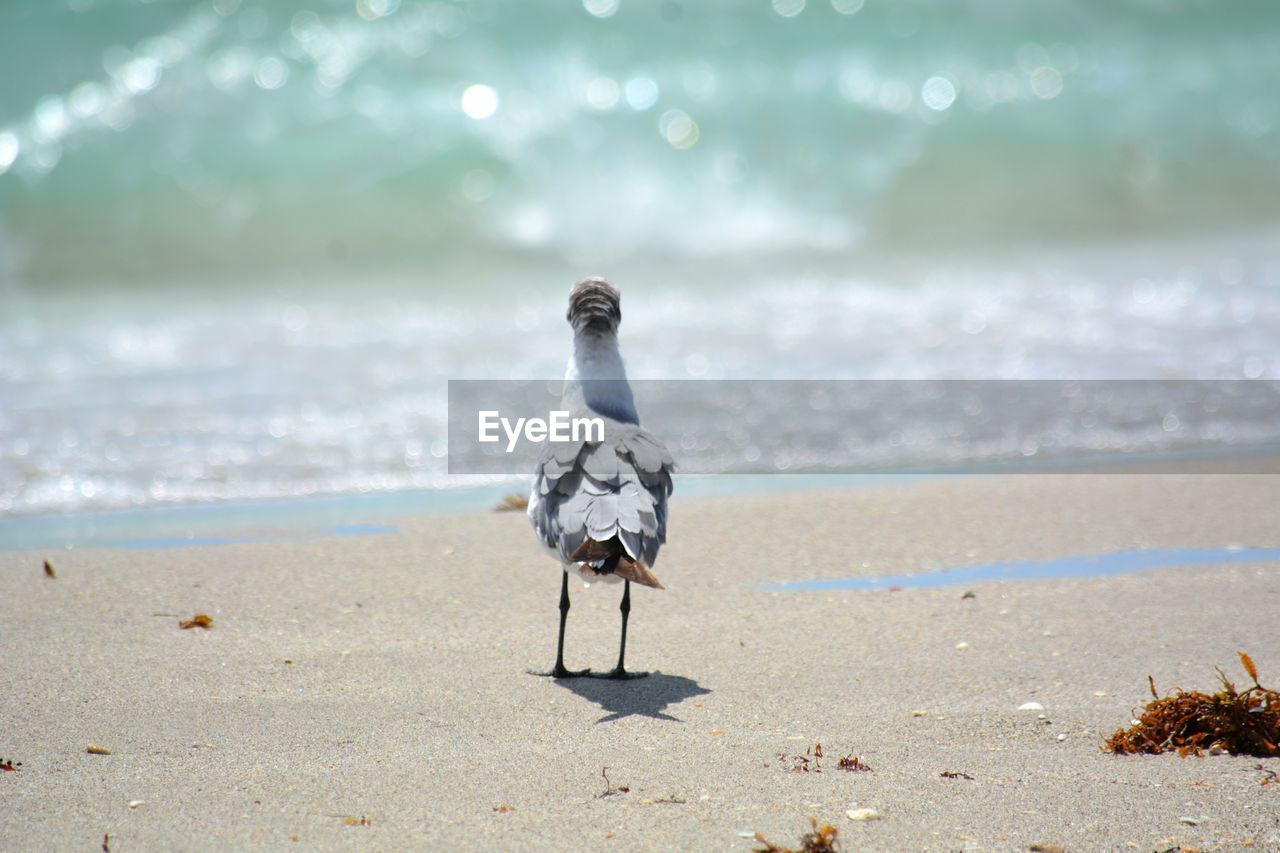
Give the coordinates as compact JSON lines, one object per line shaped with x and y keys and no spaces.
{"x":603,"y":504}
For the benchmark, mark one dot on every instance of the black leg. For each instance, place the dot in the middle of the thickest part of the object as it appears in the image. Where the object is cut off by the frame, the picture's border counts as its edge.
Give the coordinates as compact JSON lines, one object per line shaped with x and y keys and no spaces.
{"x":625,"y":607}
{"x":620,"y":671}
{"x":560,"y":671}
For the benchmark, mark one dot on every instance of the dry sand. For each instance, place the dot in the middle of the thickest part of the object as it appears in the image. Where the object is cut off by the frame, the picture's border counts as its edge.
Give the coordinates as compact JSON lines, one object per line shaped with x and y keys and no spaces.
{"x":384,"y":677}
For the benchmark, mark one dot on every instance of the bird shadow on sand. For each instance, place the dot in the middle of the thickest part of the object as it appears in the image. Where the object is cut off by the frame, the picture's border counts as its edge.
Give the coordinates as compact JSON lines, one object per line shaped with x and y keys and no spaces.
{"x":640,"y":697}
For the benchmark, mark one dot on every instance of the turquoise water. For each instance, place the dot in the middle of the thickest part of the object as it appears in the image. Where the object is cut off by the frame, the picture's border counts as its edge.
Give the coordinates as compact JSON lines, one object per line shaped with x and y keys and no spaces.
{"x":177,"y":138}
{"x":1081,"y":566}
{"x":243,"y":245}
{"x":241,"y":539}
{"x":223,"y":522}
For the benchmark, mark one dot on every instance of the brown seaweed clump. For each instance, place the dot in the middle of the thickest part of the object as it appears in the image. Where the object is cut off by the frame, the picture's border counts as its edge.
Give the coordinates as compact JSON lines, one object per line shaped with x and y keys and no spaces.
{"x":512,"y":503}
{"x":200,"y":620}
{"x":821,"y":840}
{"x":1242,"y":722}
{"x":803,"y":763}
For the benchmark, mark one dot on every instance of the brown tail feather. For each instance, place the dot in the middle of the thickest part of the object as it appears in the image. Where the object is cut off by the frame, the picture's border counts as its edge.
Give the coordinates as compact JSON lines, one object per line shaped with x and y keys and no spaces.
{"x":636,"y":573}
{"x":592,"y":550}
{"x":615,"y":561}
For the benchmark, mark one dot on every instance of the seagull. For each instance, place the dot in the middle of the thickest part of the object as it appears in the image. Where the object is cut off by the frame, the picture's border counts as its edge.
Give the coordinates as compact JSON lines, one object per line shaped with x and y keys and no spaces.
{"x":600,"y":507}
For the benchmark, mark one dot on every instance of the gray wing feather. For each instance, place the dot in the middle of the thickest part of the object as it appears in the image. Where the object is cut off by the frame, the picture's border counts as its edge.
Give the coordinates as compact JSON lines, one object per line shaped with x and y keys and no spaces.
{"x":647,"y":452}
{"x":600,"y":462}
{"x":618,"y":486}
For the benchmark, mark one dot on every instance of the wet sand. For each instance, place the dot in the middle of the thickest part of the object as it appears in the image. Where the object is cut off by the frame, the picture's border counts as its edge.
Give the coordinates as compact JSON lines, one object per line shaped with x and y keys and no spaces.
{"x":384,"y":677}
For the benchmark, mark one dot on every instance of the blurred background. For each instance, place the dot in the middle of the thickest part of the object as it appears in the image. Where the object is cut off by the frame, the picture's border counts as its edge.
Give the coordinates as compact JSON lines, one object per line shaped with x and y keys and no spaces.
{"x":244,"y":244}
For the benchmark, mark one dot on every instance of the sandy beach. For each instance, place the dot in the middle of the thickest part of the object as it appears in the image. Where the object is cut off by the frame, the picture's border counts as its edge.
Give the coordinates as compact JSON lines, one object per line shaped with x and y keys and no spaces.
{"x":383,"y":677}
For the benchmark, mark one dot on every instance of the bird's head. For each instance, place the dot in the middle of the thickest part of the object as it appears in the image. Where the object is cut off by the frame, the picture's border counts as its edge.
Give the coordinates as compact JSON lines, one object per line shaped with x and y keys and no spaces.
{"x":595,"y":307}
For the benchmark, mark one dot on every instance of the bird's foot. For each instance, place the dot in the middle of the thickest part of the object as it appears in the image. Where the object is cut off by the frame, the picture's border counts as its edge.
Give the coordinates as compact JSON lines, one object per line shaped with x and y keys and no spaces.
{"x":620,"y":674}
{"x":559,"y":671}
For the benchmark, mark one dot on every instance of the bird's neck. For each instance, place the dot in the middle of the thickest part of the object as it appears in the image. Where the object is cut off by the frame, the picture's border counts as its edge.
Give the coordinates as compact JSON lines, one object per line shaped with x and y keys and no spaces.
{"x":596,"y":356}
{"x":596,"y":378}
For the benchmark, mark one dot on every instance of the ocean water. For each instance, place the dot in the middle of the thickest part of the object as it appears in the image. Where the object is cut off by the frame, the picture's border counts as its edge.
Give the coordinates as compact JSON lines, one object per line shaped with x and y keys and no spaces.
{"x":244,"y":245}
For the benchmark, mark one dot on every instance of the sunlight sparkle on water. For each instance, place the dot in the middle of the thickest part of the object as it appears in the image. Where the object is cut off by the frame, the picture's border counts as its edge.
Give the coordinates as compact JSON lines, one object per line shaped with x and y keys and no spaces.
{"x":479,"y":101}
{"x":678,"y":129}
{"x":8,"y":150}
{"x":1046,"y":82}
{"x":270,"y":73}
{"x":87,"y":100}
{"x":788,"y":8}
{"x":50,"y":120}
{"x":642,"y":93}
{"x":600,"y":8}
{"x":140,"y":75}
{"x":371,"y":10}
{"x":938,"y":93}
{"x":603,"y":93}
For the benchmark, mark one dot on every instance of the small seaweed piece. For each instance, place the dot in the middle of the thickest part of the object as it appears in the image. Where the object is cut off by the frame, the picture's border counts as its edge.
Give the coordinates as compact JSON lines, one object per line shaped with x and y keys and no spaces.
{"x":609,"y":790}
{"x":955,"y":774}
{"x":48,"y":570}
{"x":823,"y":839}
{"x":200,"y":620}
{"x":1269,"y":777}
{"x":810,"y":762}
{"x":512,"y":503}
{"x":1240,"y":722}
{"x":1249,"y":667}
{"x":9,"y":765}
{"x":853,"y":764}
